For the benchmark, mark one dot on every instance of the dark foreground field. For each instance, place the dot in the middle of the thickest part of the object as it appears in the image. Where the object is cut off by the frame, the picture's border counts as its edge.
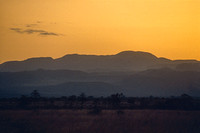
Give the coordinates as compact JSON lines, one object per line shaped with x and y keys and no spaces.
{"x":108,"y":121}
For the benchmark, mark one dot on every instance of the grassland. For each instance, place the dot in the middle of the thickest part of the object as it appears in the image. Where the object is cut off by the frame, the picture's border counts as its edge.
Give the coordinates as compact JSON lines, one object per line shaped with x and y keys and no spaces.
{"x":108,"y":121}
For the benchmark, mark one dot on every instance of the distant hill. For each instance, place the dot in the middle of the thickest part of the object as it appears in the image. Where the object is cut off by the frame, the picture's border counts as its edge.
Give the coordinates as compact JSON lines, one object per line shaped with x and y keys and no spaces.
{"x":41,"y":77}
{"x":123,"y":61}
{"x":189,"y":66}
{"x":59,"y":83}
{"x":155,"y":82}
{"x":96,"y":89}
{"x":162,"y":82}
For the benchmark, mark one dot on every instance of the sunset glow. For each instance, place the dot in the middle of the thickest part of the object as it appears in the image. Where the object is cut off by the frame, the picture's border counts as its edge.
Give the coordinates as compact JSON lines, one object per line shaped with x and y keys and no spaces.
{"x":35,"y":28}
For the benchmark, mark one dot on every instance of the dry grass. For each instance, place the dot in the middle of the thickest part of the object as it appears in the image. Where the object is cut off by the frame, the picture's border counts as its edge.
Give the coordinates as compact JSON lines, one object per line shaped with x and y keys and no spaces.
{"x":79,"y":121}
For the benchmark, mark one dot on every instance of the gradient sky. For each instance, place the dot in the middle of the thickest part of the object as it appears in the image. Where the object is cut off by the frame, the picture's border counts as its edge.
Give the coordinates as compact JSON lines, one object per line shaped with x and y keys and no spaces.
{"x":34,"y":28}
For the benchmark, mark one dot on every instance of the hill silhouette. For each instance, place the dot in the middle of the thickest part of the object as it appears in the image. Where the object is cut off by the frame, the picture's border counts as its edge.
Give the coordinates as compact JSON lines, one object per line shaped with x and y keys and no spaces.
{"x":123,"y":61}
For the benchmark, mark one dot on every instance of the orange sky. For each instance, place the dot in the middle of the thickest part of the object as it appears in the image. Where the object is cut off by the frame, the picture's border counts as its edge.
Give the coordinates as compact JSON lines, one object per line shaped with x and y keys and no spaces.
{"x":33,"y":28}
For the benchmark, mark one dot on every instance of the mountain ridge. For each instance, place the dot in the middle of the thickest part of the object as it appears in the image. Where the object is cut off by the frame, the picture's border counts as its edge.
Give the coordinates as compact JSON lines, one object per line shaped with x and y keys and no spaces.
{"x":122,"y":61}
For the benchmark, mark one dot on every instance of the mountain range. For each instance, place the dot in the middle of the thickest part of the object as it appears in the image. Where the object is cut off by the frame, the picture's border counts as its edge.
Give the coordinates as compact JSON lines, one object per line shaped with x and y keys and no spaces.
{"x":128,"y":72}
{"x":123,"y":61}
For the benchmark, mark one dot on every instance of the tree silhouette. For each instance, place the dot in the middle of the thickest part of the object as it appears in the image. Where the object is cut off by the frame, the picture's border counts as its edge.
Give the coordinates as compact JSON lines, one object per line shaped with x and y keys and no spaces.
{"x":35,"y":94}
{"x":116,"y":99}
{"x":82,"y":98}
{"x":35,"y":97}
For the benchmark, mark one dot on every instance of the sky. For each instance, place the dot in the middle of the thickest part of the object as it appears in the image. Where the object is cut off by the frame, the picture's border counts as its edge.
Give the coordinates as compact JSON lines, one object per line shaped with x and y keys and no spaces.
{"x":54,"y":28}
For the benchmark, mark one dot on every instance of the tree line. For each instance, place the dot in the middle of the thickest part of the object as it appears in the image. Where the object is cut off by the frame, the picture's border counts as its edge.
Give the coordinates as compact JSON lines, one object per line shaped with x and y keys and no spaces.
{"x":116,"y":101}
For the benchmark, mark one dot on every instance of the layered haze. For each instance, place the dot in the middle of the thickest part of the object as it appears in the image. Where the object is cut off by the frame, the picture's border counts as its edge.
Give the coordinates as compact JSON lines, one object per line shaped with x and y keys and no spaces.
{"x":133,"y":73}
{"x":38,"y":40}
